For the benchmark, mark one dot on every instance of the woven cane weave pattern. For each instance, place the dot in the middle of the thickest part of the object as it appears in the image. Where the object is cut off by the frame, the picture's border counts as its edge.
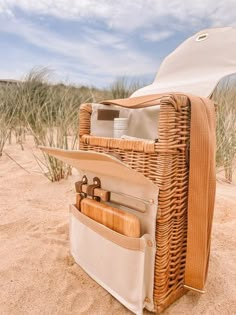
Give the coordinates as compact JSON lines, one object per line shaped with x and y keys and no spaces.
{"x":166,"y":164}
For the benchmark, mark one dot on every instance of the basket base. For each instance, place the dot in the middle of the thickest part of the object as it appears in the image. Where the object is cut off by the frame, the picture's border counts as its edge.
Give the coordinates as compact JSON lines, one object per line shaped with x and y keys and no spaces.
{"x":171,"y":299}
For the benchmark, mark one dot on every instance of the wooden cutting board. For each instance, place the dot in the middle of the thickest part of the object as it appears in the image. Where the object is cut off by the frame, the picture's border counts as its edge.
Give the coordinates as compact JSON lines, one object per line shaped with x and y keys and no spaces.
{"x":116,"y":219}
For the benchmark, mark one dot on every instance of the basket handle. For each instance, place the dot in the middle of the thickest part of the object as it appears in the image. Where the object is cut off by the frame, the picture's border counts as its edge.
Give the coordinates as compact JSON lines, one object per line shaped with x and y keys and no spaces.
{"x":136,"y":102}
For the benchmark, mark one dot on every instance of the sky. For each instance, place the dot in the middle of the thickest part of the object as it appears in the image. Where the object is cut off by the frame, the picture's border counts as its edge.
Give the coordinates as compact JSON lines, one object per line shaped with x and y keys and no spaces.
{"x":94,"y":42}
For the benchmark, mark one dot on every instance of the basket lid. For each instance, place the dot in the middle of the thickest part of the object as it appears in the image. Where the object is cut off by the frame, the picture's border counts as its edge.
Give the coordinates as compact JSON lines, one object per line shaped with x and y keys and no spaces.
{"x":99,"y":163}
{"x":197,"y":65}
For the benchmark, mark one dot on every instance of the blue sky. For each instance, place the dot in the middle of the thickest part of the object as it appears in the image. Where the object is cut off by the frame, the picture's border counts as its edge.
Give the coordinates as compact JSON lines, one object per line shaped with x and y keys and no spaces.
{"x":94,"y":42}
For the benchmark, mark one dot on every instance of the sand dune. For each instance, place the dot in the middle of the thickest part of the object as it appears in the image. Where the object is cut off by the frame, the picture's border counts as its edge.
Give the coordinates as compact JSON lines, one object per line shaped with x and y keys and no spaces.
{"x":37,"y":273}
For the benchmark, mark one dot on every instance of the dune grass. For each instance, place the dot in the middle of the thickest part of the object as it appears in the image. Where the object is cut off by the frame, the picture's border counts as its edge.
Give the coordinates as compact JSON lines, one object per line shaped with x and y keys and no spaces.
{"x":123,"y":87}
{"x":225,"y":98}
{"x":50,"y":113}
{"x":8,"y":111}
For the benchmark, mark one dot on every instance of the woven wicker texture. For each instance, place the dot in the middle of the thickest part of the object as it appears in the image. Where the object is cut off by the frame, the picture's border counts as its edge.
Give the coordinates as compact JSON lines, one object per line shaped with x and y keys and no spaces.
{"x":166,"y":164}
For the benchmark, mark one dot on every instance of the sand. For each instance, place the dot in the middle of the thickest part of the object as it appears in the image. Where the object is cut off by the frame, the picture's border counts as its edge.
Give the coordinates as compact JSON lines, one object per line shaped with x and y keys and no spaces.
{"x":37,"y":273}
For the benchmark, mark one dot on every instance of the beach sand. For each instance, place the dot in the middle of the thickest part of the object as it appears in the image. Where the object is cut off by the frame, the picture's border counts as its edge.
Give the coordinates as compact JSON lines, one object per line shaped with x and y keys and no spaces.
{"x":37,"y":273}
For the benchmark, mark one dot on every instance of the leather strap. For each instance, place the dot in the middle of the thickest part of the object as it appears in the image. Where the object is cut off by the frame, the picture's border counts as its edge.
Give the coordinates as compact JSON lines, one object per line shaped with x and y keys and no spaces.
{"x":132,"y":243}
{"x":202,"y":181}
{"x":135,"y":102}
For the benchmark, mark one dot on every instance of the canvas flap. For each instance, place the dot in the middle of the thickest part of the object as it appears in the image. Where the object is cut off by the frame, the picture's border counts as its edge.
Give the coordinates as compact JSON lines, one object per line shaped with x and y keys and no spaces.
{"x":99,"y":163}
{"x":197,"y":65}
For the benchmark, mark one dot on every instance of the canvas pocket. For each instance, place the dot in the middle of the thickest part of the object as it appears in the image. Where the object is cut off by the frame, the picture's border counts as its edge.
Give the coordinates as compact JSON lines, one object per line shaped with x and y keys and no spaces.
{"x":123,"y":265}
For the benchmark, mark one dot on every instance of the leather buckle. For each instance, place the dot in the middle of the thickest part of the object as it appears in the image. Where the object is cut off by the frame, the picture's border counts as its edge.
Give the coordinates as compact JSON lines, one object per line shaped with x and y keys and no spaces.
{"x":91,"y":188}
{"x":79,"y":185}
{"x":79,"y":189}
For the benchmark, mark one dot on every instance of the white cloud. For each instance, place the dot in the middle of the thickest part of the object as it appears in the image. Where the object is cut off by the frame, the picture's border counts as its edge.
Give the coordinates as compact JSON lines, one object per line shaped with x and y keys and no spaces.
{"x":128,"y":15}
{"x":103,"y":55}
{"x":154,"y":36}
{"x":96,"y":54}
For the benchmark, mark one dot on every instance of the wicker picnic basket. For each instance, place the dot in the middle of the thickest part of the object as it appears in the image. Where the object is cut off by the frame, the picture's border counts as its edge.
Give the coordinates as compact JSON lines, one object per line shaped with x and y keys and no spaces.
{"x":172,"y":176}
{"x":166,"y":163}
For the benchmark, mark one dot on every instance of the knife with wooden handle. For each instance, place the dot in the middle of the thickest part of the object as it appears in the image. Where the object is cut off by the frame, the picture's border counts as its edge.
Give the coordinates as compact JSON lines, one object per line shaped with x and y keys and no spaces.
{"x":116,"y":219}
{"x":119,"y":198}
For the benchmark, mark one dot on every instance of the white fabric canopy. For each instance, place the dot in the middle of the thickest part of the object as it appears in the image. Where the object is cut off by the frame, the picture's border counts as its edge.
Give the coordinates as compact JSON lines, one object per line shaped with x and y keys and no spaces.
{"x":197,"y":65}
